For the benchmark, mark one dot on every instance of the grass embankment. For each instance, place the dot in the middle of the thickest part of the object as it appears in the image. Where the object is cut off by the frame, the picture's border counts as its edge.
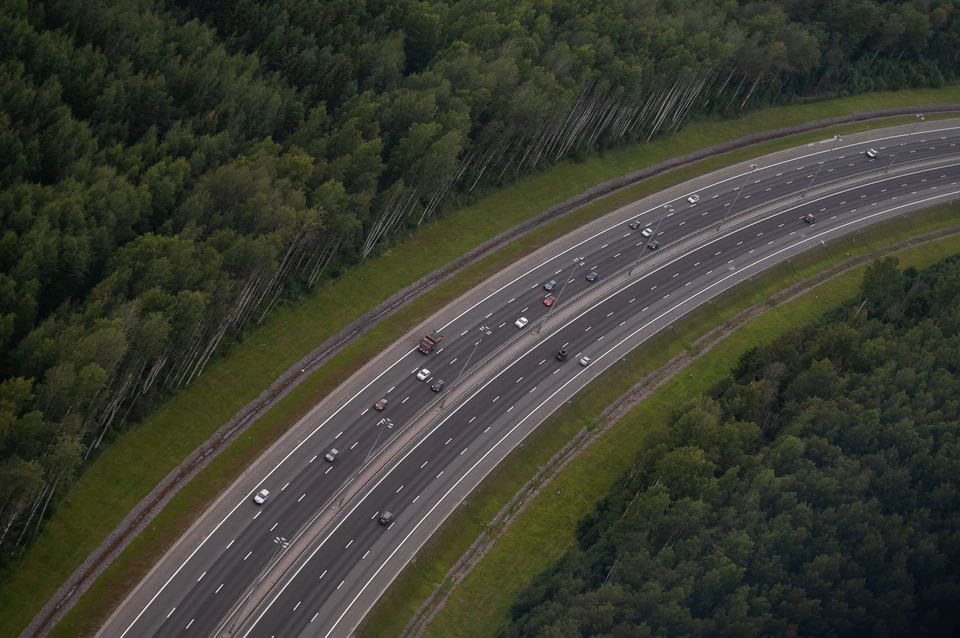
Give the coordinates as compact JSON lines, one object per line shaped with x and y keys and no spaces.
{"x":111,"y":487}
{"x":543,"y":531}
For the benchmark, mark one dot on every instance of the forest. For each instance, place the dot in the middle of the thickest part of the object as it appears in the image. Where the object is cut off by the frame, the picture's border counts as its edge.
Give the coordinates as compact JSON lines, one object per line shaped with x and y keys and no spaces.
{"x":171,"y":172}
{"x":812,"y":492}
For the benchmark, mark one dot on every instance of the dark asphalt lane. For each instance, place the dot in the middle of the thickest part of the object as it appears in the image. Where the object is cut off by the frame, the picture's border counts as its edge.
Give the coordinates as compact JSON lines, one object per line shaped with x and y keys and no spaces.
{"x":229,"y":558}
{"x":538,"y":369}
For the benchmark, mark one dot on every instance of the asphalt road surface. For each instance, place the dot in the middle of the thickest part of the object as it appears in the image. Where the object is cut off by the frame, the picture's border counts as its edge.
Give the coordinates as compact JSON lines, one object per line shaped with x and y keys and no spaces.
{"x":222,"y":558}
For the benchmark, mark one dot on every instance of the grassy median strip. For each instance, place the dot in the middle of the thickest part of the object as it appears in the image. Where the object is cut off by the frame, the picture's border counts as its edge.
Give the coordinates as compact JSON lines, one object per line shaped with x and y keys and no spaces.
{"x":110,"y":489}
{"x":543,"y":531}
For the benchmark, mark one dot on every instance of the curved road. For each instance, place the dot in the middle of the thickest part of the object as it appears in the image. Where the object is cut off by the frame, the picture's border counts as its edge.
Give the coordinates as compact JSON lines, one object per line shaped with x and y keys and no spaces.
{"x":327,"y":592}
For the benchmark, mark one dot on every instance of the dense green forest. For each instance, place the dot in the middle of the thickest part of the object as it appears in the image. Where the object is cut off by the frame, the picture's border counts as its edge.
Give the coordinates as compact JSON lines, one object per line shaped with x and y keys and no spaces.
{"x":812,"y":493}
{"x":171,"y":171}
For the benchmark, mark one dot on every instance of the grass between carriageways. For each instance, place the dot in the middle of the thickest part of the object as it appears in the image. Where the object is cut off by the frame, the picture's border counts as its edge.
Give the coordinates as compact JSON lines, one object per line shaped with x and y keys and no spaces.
{"x":546,"y":528}
{"x":110,"y":488}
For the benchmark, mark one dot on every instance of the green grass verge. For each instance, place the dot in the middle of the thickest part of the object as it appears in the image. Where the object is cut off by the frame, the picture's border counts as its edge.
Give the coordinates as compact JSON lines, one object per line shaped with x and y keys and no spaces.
{"x":109,"y":489}
{"x":546,"y":528}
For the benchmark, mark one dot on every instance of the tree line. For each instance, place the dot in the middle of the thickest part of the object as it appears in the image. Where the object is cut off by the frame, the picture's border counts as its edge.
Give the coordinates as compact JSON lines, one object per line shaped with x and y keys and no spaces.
{"x":813,"y":492}
{"x":170,"y":172}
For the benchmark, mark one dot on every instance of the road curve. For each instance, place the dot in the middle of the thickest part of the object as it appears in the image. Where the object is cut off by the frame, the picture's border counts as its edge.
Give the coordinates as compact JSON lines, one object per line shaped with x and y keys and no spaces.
{"x":221,"y":558}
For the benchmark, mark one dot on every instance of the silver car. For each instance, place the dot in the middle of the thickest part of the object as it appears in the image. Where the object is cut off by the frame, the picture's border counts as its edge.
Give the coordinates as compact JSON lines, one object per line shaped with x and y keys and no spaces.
{"x":423,"y":375}
{"x":332,"y":454}
{"x":261,"y":497}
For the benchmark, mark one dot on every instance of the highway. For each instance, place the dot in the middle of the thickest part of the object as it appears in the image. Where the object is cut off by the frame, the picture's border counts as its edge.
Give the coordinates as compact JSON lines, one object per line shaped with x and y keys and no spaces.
{"x":218,"y":562}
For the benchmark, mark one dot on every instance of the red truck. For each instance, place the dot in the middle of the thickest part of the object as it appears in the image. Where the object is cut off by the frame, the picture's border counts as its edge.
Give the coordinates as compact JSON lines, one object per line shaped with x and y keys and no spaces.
{"x":429,"y":342}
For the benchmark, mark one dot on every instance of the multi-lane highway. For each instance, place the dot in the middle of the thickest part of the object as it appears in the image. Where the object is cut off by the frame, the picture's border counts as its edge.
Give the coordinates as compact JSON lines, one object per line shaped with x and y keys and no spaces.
{"x":326,"y":592}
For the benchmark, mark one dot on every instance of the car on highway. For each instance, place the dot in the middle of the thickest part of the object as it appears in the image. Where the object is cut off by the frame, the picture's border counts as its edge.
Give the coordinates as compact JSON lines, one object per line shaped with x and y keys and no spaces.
{"x":693,"y":199}
{"x":584,"y":361}
{"x":385,"y":519}
{"x":521,"y":322}
{"x":809,"y":218}
{"x":647,"y":231}
{"x":548,"y":300}
{"x":872,"y":153}
{"x":437,"y":385}
{"x":635,"y":224}
{"x":261,"y":497}
{"x":592,"y":277}
{"x":550,"y":285}
{"x":380,"y":405}
{"x":653,"y":245}
{"x":331,"y":456}
{"x":423,"y":375}
{"x":562,"y":355}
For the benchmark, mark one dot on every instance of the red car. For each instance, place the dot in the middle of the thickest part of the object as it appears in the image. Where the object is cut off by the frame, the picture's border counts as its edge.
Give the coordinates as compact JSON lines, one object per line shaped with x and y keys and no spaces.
{"x":808,"y":218}
{"x":380,"y":405}
{"x":548,"y":301}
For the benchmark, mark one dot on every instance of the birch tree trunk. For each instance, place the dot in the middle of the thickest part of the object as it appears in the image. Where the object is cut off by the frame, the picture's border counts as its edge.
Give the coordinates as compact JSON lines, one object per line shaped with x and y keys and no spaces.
{"x":26,"y":525}
{"x":753,"y":88}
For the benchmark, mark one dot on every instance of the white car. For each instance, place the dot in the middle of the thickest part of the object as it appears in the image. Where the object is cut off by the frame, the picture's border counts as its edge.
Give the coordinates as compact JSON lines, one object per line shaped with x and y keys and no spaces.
{"x":693,"y":199}
{"x":423,"y":375}
{"x":261,"y":497}
{"x":647,"y":231}
{"x":521,"y":322}
{"x":584,"y":361}
{"x":872,"y":153}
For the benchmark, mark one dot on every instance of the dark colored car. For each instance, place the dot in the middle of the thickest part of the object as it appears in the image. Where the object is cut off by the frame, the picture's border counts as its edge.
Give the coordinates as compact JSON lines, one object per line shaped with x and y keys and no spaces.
{"x":592,"y":277}
{"x":635,"y":224}
{"x":808,"y":218}
{"x":653,"y":245}
{"x":385,"y":519}
{"x":550,"y":285}
{"x":562,"y":355}
{"x":437,"y":385}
